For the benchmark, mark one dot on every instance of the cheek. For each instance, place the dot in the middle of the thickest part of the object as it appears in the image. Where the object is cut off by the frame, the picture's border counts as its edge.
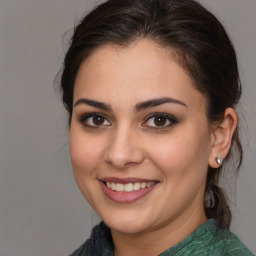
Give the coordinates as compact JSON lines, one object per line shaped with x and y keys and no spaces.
{"x":85,"y":156}
{"x":84,"y":152}
{"x":188,"y":150}
{"x":182,"y":160}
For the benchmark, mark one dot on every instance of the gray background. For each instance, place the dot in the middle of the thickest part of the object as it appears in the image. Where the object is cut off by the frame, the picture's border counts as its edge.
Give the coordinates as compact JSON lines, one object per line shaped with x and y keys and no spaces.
{"x":41,"y":209}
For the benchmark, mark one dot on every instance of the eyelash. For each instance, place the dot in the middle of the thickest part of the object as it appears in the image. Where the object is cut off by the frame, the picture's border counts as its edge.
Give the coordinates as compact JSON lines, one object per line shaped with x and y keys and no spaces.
{"x":166,"y":118}
{"x":84,"y":119}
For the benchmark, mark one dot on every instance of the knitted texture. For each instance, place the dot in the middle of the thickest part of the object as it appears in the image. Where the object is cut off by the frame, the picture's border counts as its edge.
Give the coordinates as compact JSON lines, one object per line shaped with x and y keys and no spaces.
{"x":206,"y":240}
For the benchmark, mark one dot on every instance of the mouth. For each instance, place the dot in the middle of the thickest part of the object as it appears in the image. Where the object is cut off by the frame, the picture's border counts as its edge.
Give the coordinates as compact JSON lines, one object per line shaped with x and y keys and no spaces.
{"x":126,"y":190}
{"x":128,"y":187}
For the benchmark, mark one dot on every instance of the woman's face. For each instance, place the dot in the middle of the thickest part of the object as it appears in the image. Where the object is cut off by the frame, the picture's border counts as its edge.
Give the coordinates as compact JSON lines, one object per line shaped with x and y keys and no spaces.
{"x":139,"y":138}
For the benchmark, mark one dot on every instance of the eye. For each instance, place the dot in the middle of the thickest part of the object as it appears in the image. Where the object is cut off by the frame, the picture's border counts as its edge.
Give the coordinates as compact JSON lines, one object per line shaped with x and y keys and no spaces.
{"x":94,"y":120}
{"x":159,"y":121}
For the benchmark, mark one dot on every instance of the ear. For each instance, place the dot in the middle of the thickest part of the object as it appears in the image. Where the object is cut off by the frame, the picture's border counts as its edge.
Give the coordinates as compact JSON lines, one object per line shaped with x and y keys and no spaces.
{"x":222,"y":137}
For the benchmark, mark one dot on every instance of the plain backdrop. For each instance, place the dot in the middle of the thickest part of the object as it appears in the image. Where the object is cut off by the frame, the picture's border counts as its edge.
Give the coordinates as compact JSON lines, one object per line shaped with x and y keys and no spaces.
{"x":41,"y":210}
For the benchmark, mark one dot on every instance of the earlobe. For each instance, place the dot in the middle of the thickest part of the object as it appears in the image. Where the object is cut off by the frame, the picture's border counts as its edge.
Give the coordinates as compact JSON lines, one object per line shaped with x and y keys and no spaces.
{"x":222,"y":134}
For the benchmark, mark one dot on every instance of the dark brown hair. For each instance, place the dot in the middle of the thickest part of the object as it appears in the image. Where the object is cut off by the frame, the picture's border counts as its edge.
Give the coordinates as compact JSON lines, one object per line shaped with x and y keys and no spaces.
{"x":204,"y":49}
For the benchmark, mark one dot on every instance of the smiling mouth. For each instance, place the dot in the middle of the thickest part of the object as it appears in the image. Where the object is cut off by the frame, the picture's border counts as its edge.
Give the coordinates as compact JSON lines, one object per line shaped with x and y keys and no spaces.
{"x":128,"y":187}
{"x":126,"y":190}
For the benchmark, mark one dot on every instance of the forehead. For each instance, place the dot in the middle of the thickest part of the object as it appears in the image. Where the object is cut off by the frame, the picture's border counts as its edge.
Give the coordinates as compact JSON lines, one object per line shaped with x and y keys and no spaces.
{"x":141,"y":70}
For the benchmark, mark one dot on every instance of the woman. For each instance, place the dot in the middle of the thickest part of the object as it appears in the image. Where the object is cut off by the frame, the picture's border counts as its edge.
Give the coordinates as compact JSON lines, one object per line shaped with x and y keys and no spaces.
{"x":151,"y":87}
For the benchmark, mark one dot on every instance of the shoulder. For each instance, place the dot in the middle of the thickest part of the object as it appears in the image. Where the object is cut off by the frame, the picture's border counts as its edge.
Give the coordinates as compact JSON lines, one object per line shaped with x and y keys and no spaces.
{"x":209,"y":240}
{"x":228,"y":244}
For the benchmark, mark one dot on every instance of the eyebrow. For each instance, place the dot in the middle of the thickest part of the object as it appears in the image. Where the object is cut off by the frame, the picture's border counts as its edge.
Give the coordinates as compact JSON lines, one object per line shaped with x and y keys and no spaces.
{"x":139,"y":107}
{"x":156,"y":102}
{"x":93,"y":103}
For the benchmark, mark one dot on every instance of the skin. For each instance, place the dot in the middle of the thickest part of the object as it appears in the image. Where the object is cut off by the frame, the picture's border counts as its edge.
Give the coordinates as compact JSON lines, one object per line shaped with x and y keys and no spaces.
{"x":128,"y":143}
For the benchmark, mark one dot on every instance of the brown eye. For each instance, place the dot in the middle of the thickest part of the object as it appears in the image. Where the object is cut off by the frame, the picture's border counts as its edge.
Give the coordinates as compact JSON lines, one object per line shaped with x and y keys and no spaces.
{"x":98,"y":120}
{"x":160,"y":121}
{"x":94,"y":120}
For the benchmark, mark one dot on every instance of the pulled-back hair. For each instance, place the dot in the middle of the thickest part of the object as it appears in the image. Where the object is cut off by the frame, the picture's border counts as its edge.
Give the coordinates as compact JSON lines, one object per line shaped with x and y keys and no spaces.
{"x":203,"y":48}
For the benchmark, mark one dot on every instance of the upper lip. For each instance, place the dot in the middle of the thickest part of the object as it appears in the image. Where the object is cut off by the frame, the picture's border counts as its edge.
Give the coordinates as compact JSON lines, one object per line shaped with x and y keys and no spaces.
{"x":125,"y":180}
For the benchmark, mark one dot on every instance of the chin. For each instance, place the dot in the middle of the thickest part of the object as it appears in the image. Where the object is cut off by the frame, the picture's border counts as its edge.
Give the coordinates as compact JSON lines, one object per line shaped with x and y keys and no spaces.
{"x":126,"y":224}
{"x":127,"y":228}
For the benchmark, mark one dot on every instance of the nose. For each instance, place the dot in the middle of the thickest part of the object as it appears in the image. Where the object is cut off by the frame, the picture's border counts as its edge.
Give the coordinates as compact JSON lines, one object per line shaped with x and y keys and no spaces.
{"x":124,"y":149}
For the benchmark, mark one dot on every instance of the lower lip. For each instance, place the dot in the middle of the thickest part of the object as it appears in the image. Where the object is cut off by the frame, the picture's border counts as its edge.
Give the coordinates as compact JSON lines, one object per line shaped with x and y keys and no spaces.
{"x":126,"y":197}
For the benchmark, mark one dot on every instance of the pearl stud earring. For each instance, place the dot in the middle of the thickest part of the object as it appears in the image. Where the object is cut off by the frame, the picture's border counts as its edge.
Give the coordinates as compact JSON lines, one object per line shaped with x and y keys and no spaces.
{"x":218,"y":160}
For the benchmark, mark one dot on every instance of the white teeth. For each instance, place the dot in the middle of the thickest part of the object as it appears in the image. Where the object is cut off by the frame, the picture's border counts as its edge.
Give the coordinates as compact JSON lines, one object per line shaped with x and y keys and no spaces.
{"x":143,"y":185}
{"x":113,"y":186}
{"x":150,"y":184}
{"x":128,"y":187}
{"x":119,"y":187}
{"x":136,"y":186}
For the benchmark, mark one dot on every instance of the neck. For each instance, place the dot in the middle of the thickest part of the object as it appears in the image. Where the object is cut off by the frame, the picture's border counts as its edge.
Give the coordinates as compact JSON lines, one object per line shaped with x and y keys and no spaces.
{"x":148,"y":243}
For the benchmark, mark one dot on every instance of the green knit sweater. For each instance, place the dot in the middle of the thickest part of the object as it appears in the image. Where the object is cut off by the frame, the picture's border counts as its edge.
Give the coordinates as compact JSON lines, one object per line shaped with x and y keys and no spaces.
{"x":206,"y":240}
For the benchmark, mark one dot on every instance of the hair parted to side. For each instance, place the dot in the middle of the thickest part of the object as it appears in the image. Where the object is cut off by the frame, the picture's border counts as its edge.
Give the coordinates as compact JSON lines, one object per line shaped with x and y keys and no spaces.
{"x":203,"y":48}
